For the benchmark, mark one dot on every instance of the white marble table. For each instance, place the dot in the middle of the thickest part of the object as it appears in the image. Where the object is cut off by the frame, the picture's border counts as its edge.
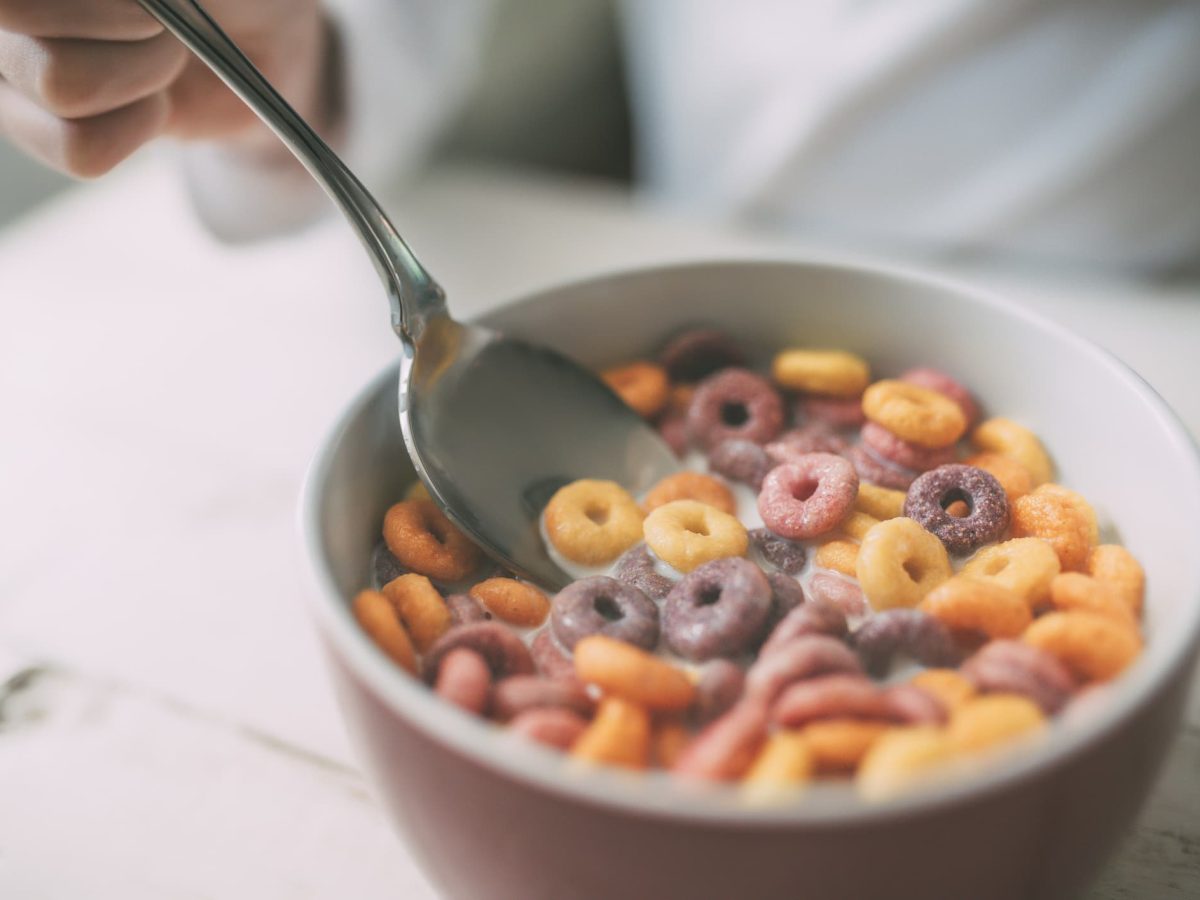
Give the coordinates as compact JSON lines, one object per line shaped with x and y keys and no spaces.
{"x":165,"y":728}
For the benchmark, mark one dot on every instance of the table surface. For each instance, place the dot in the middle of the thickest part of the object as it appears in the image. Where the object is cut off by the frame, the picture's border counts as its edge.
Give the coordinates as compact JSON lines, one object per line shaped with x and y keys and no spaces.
{"x":166,"y":730}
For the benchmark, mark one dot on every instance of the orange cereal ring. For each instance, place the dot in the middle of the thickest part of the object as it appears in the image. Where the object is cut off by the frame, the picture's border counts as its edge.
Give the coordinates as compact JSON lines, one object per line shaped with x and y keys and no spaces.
{"x":643,"y":386}
{"x":686,"y":534}
{"x":691,"y":486}
{"x":377,"y":617}
{"x":1113,"y":565}
{"x":1057,"y":520}
{"x":1093,"y":646}
{"x":1074,"y":590}
{"x":880,"y":502}
{"x":593,"y":522}
{"x":426,"y":542}
{"x":1076,"y":500}
{"x":1007,"y":438}
{"x":991,"y":720}
{"x":965,"y":605}
{"x":417,"y":491}
{"x":913,"y":413}
{"x":899,"y":562}
{"x":831,"y":372}
{"x":841,"y":556}
{"x":512,"y":601}
{"x":784,"y":761}
{"x":670,"y":738}
{"x":902,"y":758}
{"x":839,"y":745}
{"x":958,"y":509}
{"x":623,"y":670}
{"x":1012,"y":475}
{"x":420,"y":607}
{"x":1025,"y":566}
{"x":857,"y":524}
{"x":947,"y":685}
{"x":619,"y":735}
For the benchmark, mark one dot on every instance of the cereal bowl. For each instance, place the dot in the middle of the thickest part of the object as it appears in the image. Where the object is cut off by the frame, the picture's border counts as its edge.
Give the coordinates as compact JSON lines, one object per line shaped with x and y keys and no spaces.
{"x":486,"y":815}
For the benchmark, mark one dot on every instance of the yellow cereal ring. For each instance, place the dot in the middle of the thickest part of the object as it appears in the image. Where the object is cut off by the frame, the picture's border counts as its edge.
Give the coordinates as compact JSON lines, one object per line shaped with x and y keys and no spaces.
{"x":992,"y":720}
{"x":857,"y":524}
{"x":593,"y":522}
{"x":947,"y":685}
{"x":686,"y":534}
{"x":1012,"y":475}
{"x":512,"y":601}
{"x":1007,"y":438}
{"x":784,"y":762}
{"x":880,"y":502}
{"x":1025,"y":566}
{"x":643,"y":386}
{"x":965,"y":605}
{"x":832,"y":372}
{"x":420,"y":607}
{"x":623,"y":670}
{"x":1115,"y":566}
{"x":901,"y":759}
{"x":1093,"y":646}
{"x":1074,"y":590}
{"x":377,"y":617}
{"x":619,"y":735}
{"x":691,"y":486}
{"x":899,"y":562}
{"x":841,"y":556}
{"x":1058,"y":520}
{"x":913,"y":413}
{"x":837,"y":746}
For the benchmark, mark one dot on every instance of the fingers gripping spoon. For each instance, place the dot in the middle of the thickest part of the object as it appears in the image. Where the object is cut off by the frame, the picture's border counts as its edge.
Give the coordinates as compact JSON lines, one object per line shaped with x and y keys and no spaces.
{"x":493,"y":425}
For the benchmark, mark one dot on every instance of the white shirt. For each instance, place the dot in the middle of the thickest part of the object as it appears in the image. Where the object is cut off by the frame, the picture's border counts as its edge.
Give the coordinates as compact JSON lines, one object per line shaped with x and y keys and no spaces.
{"x":1058,"y":129}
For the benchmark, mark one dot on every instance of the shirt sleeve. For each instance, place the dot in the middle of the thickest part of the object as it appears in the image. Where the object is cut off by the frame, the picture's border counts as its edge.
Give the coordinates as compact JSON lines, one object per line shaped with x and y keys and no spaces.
{"x":406,"y":67}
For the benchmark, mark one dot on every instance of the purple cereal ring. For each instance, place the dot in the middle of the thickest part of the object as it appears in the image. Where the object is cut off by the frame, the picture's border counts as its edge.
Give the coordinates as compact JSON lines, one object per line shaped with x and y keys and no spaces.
{"x":799,"y":659}
{"x":937,"y":380}
{"x":726,"y":748}
{"x":502,"y":650}
{"x":385,"y":566}
{"x":811,"y":618}
{"x":816,"y":437}
{"x":840,"y":412}
{"x":603,"y":605}
{"x":558,"y":728}
{"x":734,"y":403}
{"x":808,"y":497}
{"x":910,"y":632}
{"x":464,"y":679}
{"x":738,"y":460}
{"x":838,"y":592}
{"x":518,"y":693}
{"x":717,"y":609}
{"x":832,"y":696}
{"x":693,"y":354}
{"x":987,"y":504}
{"x":636,"y":568}
{"x":672,"y":428}
{"x":786,"y":595}
{"x":720,"y":686}
{"x":550,"y":659}
{"x":896,"y":450}
{"x":874,"y":470}
{"x":913,"y":706}
{"x":786,"y":556}
{"x":465,"y":609}
{"x":1019,"y":668}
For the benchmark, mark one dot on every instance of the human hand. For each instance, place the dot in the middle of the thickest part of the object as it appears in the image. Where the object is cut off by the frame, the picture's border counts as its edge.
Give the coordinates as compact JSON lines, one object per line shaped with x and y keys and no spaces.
{"x":84,"y":83}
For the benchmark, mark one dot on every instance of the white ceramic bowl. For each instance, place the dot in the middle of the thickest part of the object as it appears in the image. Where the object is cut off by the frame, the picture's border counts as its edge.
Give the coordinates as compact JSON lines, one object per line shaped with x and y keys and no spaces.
{"x":489,"y":816}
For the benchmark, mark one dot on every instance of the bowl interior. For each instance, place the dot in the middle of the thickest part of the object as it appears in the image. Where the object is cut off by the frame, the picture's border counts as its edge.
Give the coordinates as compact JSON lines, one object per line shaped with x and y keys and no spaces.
{"x":1110,"y":436}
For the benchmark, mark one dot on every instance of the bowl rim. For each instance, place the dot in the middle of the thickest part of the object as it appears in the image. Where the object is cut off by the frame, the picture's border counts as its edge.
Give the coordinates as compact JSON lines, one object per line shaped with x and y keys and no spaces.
{"x":654,"y":794}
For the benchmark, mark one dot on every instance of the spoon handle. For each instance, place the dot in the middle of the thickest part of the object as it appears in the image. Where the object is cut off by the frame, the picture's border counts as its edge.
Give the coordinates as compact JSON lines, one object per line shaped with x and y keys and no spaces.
{"x":414,"y":296}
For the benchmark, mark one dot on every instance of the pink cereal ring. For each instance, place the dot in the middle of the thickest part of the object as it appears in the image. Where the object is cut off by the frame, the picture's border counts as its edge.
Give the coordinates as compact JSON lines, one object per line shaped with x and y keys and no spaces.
{"x":799,"y":659}
{"x":915,"y":706}
{"x":871,"y":468}
{"x":808,"y":496}
{"x":519,"y":693}
{"x":816,"y":437}
{"x":465,"y":680}
{"x":720,"y":687}
{"x":725,"y":749}
{"x":904,"y":453}
{"x":833,"y":696}
{"x":554,"y":727}
{"x":734,"y":403}
{"x":549,"y":658}
{"x":937,"y":380}
{"x":1014,"y":667}
{"x":840,"y":412}
{"x":839,"y":592}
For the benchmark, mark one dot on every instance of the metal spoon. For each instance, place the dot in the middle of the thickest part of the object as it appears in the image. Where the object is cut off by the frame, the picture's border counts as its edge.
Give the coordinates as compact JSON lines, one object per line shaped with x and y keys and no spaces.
{"x":493,"y":425}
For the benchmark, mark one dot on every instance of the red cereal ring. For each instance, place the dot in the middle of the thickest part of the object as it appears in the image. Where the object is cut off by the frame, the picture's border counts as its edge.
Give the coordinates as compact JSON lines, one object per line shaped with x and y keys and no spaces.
{"x":1014,"y":667}
{"x":503,"y":651}
{"x":814,"y":617}
{"x":832,"y":696}
{"x":549,"y":658}
{"x":424,"y":541}
{"x":463,"y":678}
{"x":725,"y":749}
{"x":557,"y":728}
{"x":698,"y":352}
{"x":914,"y":706}
{"x":519,"y":693}
{"x":874,"y":470}
{"x":797,"y":660}
{"x":719,"y":687}
{"x":839,"y":412}
{"x":808,"y":497}
{"x":734,"y":403}
{"x":900,"y":452}
{"x":815,"y":437}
